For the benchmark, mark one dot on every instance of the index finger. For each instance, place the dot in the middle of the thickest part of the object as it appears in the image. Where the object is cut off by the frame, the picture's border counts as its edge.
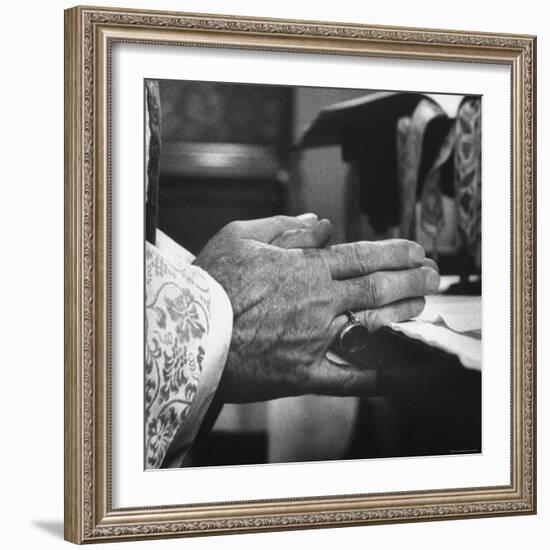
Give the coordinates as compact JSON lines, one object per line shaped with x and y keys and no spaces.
{"x":316,"y":236}
{"x":267,"y":229}
{"x":363,"y":257}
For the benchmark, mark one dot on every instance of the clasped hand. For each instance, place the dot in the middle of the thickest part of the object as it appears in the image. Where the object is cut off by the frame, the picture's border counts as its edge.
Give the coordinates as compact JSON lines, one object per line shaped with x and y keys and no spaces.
{"x":290,"y":291}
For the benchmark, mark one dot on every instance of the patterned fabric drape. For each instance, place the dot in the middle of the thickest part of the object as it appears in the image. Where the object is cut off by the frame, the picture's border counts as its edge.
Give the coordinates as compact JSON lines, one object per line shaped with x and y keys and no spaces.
{"x":177,"y":313}
{"x":431,"y":218}
{"x":460,"y":142}
{"x":467,"y":159}
{"x":410,"y":140}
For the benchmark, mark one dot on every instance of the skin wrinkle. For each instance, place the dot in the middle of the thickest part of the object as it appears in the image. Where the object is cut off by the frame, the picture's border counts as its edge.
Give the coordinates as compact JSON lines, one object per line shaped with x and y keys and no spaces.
{"x":384,"y":287}
{"x":254,"y":332}
{"x":363,"y":257}
{"x":358,"y":259}
{"x":289,"y":304}
{"x":295,"y":376}
{"x":375,"y":289}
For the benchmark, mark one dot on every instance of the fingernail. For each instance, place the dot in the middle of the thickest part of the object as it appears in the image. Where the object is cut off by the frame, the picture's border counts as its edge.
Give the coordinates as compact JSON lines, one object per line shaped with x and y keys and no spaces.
{"x":432,"y":280}
{"x":309,"y":218}
{"x":416,"y":254}
{"x":428,"y":262}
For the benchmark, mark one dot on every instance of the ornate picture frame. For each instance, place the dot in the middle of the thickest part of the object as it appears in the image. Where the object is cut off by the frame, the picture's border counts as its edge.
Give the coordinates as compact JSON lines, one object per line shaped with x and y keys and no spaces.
{"x":90,"y":34}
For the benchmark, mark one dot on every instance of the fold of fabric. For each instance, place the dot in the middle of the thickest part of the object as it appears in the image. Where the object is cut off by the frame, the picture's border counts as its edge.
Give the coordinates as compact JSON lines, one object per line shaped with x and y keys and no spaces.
{"x":431,"y":197}
{"x":467,"y":348}
{"x":410,"y":142}
{"x":450,"y":323}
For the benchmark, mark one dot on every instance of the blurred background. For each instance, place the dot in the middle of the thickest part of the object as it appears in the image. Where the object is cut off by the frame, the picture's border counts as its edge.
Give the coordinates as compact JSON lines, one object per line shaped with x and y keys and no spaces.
{"x":377,"y":164}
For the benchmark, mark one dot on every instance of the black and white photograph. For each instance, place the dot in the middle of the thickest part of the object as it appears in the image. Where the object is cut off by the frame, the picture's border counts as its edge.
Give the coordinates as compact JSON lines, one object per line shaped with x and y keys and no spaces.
{"x":313,"y":277}
{"x":300,"y":281}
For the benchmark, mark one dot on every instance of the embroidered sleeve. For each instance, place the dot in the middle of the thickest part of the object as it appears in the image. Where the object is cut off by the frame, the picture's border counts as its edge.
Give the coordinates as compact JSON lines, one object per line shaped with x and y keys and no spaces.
{"x":188,"y":322}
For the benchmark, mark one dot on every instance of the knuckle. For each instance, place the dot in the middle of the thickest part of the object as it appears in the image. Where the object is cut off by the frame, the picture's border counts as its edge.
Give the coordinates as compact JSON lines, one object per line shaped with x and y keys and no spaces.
{"x":375,"y":288}
{"x":233,"y":228}
{"x":281,"y":219}
{"x":359,"y":255}
{"x":284,"y":238}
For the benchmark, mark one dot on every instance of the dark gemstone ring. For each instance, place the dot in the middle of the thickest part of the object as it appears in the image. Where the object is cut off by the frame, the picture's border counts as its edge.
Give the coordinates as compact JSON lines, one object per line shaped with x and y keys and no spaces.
{"x":353,"y":336}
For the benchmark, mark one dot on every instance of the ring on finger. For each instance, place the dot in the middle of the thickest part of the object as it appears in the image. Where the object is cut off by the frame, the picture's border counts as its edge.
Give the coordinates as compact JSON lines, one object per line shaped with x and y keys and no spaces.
{"x":353,"y":336}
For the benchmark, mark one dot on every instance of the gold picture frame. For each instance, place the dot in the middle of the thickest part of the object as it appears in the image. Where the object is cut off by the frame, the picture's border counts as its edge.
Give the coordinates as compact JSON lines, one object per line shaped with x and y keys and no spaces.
{"x":89,"y":36}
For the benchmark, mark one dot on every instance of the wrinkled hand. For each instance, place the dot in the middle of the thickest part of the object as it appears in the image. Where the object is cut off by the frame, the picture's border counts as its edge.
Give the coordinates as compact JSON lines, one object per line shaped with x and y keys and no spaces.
{"x":289,"y":297}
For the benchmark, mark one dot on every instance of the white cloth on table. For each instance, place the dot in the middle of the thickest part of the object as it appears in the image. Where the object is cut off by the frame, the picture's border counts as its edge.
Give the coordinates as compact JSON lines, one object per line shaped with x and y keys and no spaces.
{"x":449,"y":323}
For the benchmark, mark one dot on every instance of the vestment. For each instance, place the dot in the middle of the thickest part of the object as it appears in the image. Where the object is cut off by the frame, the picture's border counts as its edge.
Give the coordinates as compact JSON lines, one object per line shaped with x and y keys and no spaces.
{"x":188,"y":324}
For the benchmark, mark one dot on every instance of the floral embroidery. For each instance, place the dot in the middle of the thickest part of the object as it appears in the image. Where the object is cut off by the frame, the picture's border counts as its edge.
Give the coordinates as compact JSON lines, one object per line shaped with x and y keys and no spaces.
{"x":183,"y":310}
{"x":160,"y":432}
{"x":161,"y":322}
{"x":176,"y":326}
{"x":173,"y":372}
{"x":151,"y":379}
{"x":190,"y":391}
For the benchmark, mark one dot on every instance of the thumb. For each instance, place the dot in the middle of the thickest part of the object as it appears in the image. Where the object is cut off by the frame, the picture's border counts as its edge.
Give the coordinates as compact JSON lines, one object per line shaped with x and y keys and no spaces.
{"x":329,"y":377}
{"x":266,"y":230}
